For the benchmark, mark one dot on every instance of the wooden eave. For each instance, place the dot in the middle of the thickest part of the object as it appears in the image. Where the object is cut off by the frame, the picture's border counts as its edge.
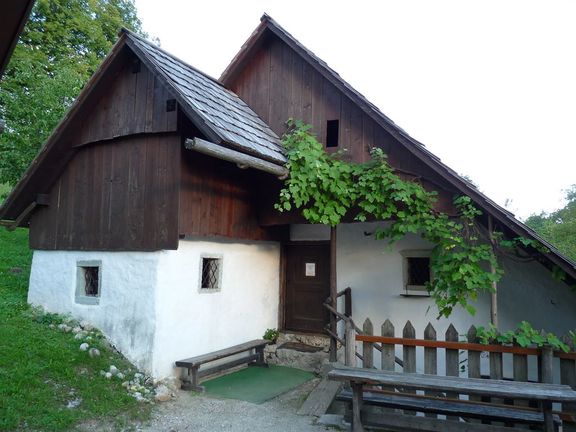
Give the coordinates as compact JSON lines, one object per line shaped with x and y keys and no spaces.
{"x":14,"y":16}
{"x":268,"y":26}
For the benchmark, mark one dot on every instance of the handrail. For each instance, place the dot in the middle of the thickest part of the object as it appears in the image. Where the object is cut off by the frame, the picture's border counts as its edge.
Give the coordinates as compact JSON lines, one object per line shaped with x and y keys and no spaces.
{"x":458,"y":345}
{"x":347,"y":292}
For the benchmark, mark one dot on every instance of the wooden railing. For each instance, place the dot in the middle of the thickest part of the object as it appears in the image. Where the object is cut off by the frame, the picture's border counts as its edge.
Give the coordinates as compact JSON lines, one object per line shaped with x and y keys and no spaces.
{"x":460,"y":358}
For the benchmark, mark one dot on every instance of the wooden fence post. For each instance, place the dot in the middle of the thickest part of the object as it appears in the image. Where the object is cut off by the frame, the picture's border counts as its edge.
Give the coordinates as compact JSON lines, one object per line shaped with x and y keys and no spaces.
{"x":350,"y":338}
{"x":568,"y":377}
{"x":367,"y":347}
{"x":388,"y":353}
{"x":409,"y":356}
{"x":430,"y":359}
{"x":452,"y":363}
{"x":547,"y":377}
{"x":473,"y":363}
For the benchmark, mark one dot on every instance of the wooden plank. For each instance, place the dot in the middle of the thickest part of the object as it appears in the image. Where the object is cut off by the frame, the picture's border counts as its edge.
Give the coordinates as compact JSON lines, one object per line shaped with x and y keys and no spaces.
{"x":547,"y":377}
{"x":226,"y":352}
{"x":367,"y":347}
{"x":430,"y":359}
{"x":350,"y":353}
{"x":445,"y":406}
{"x":409,"y":356}
{"x":357,"y":407}
{"x":452,"y":361}
{"x":568,"y":377}
{"x":388,"y":352}
{"x":424,"y":424}
{"x":320,"y":398}
{"x":498,"y":388}
{"x":473,"y":360}
{"x":449,"y":345}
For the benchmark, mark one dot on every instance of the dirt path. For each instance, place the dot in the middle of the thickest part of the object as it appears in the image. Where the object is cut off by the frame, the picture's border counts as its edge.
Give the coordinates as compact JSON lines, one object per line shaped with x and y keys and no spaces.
{"x":193,"y":412}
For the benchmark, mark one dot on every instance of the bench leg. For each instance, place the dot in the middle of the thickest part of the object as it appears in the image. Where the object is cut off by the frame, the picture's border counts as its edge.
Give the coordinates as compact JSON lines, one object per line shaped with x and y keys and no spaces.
{"x":260,"y":359}
{"x":190,"y":380}
{"x":548,"y":417}
{"x":356,"y":407}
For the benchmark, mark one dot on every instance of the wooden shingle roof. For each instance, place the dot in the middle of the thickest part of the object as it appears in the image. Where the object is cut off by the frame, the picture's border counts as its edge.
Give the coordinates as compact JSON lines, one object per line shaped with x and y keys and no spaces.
{"x":218,"y":112}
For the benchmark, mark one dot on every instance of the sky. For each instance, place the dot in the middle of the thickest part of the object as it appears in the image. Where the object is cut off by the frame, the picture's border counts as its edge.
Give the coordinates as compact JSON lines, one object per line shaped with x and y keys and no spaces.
{"x":488,"y":86}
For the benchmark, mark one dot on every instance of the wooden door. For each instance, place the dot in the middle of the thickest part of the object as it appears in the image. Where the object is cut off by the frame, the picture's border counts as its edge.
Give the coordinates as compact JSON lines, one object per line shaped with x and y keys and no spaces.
{"x":307,"y":286}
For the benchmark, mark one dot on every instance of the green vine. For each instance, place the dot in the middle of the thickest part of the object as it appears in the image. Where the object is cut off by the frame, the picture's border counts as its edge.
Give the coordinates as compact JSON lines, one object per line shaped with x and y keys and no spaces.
{"x":328,"y":188}
{"x":524,"y":335}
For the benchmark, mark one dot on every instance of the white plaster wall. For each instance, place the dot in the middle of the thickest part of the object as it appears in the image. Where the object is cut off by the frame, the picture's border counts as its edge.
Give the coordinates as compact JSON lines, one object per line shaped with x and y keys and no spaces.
{"x":373,"y":270}
{"x":190,"y":322}
{"x":126,"y":310}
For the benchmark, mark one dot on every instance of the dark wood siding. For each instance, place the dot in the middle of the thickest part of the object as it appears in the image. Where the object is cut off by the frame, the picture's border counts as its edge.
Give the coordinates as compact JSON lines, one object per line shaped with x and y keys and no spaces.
{"x":279,"y":84}
{"x":218,"y":199}
{"x":118,"y":195}
{"x":133,"y":102}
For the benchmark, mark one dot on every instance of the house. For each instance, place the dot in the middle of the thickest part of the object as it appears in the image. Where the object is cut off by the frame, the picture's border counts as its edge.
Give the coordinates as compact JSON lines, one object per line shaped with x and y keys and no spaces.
{"x":151,"y":211}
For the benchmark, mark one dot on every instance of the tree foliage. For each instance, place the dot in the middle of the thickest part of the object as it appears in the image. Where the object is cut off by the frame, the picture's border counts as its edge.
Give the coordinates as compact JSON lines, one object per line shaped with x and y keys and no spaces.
{"x":327,"y":189}
{"x":559,"y":227}
{"x":61,"y":46}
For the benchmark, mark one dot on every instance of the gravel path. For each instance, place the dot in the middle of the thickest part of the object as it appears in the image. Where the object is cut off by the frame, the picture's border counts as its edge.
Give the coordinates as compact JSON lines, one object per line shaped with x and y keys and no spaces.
{"x":194,"y":412}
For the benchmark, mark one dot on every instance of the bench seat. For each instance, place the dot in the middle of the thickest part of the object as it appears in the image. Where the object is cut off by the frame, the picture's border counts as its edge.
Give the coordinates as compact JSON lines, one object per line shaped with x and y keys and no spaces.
{"x":192,"y":365}
{"x":461,"y":408}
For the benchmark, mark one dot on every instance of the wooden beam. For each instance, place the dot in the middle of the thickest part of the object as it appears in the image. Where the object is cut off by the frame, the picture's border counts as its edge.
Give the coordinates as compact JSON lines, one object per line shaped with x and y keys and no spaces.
{"x":334,"y":295}
{"x":12,"y":225}
{"x":242,"y":160}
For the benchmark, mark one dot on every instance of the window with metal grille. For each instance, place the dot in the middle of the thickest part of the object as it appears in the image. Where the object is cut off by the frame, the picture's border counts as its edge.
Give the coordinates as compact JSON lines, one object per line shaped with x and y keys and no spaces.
{"x":88,"y":283}
{"x":417,"y":274}
{"x":211,"y":273}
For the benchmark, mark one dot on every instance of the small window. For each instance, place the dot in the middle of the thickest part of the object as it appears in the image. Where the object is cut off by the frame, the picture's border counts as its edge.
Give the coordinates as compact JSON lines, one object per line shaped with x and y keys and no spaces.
{"x":88,"y":285}
{"x":332,"y":133}
{"x":210,"y":273}
{"x":417,"y":273}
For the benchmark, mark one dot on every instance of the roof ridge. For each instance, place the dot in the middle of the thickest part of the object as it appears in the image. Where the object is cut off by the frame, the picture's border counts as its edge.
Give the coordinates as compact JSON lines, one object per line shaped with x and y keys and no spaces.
{"x":131,"y":34}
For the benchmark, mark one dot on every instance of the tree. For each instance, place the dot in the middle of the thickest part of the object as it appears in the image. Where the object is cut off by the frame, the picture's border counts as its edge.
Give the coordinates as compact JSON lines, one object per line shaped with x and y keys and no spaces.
{"x":61,"y":46}
{"x":559,"y":227}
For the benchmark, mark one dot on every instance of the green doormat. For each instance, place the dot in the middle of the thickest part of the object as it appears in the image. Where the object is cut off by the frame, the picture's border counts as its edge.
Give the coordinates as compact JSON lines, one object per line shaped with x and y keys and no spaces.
{"x":257,"y":384}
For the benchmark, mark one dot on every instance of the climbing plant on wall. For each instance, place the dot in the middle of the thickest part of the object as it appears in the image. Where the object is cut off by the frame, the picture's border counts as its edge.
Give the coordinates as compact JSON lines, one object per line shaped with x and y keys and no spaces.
{"x":327,"y":188}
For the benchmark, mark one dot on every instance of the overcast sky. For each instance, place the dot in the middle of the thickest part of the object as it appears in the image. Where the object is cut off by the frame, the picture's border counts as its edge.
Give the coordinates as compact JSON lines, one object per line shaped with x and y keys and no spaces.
{"x":488,"y":86}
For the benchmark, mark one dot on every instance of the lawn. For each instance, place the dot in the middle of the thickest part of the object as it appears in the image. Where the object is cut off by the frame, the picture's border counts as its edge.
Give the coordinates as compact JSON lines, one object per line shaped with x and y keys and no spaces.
{"x":46,"y":381}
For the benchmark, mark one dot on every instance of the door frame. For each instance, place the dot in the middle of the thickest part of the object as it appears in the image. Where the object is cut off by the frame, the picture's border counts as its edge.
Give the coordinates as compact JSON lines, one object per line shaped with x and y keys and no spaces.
{"x":283,"y":288}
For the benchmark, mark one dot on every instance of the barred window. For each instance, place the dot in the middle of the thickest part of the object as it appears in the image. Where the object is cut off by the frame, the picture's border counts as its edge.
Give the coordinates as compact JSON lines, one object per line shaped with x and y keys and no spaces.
{"x":210,"y":273}
{"x":88,"y":282}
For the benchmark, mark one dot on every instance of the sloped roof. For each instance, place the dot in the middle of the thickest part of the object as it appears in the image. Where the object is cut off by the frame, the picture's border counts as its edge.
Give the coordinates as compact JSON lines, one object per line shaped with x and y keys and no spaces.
{"x":219,"y":112}
{"x":14,"y":16}
{"x":268,"y":25}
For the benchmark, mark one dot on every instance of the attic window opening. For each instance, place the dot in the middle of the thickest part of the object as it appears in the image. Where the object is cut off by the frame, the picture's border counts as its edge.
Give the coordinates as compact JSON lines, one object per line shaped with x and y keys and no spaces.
{"x":211,"y":273}
{"x":88,"y":282}
{"x":170,"y":105}
{"x":332,"y":127}
{"x":417,"y":272}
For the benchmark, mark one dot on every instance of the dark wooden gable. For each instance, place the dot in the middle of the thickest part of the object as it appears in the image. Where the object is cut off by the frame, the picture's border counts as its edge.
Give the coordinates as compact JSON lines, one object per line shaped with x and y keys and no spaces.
{"x":119,"y":190}
{"x":115,"y":175}
{"x":279,"y":83}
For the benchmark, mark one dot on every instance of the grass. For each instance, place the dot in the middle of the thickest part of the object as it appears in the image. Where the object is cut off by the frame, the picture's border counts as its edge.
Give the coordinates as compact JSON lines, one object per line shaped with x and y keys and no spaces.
{"x":42,"y":368}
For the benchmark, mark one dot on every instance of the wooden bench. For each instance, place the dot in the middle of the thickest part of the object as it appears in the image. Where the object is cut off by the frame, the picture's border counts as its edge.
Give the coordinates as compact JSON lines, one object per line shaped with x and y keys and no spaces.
{"x":440,"y":405}
{"x":192,"y":365}
{"x":361,"y":380}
